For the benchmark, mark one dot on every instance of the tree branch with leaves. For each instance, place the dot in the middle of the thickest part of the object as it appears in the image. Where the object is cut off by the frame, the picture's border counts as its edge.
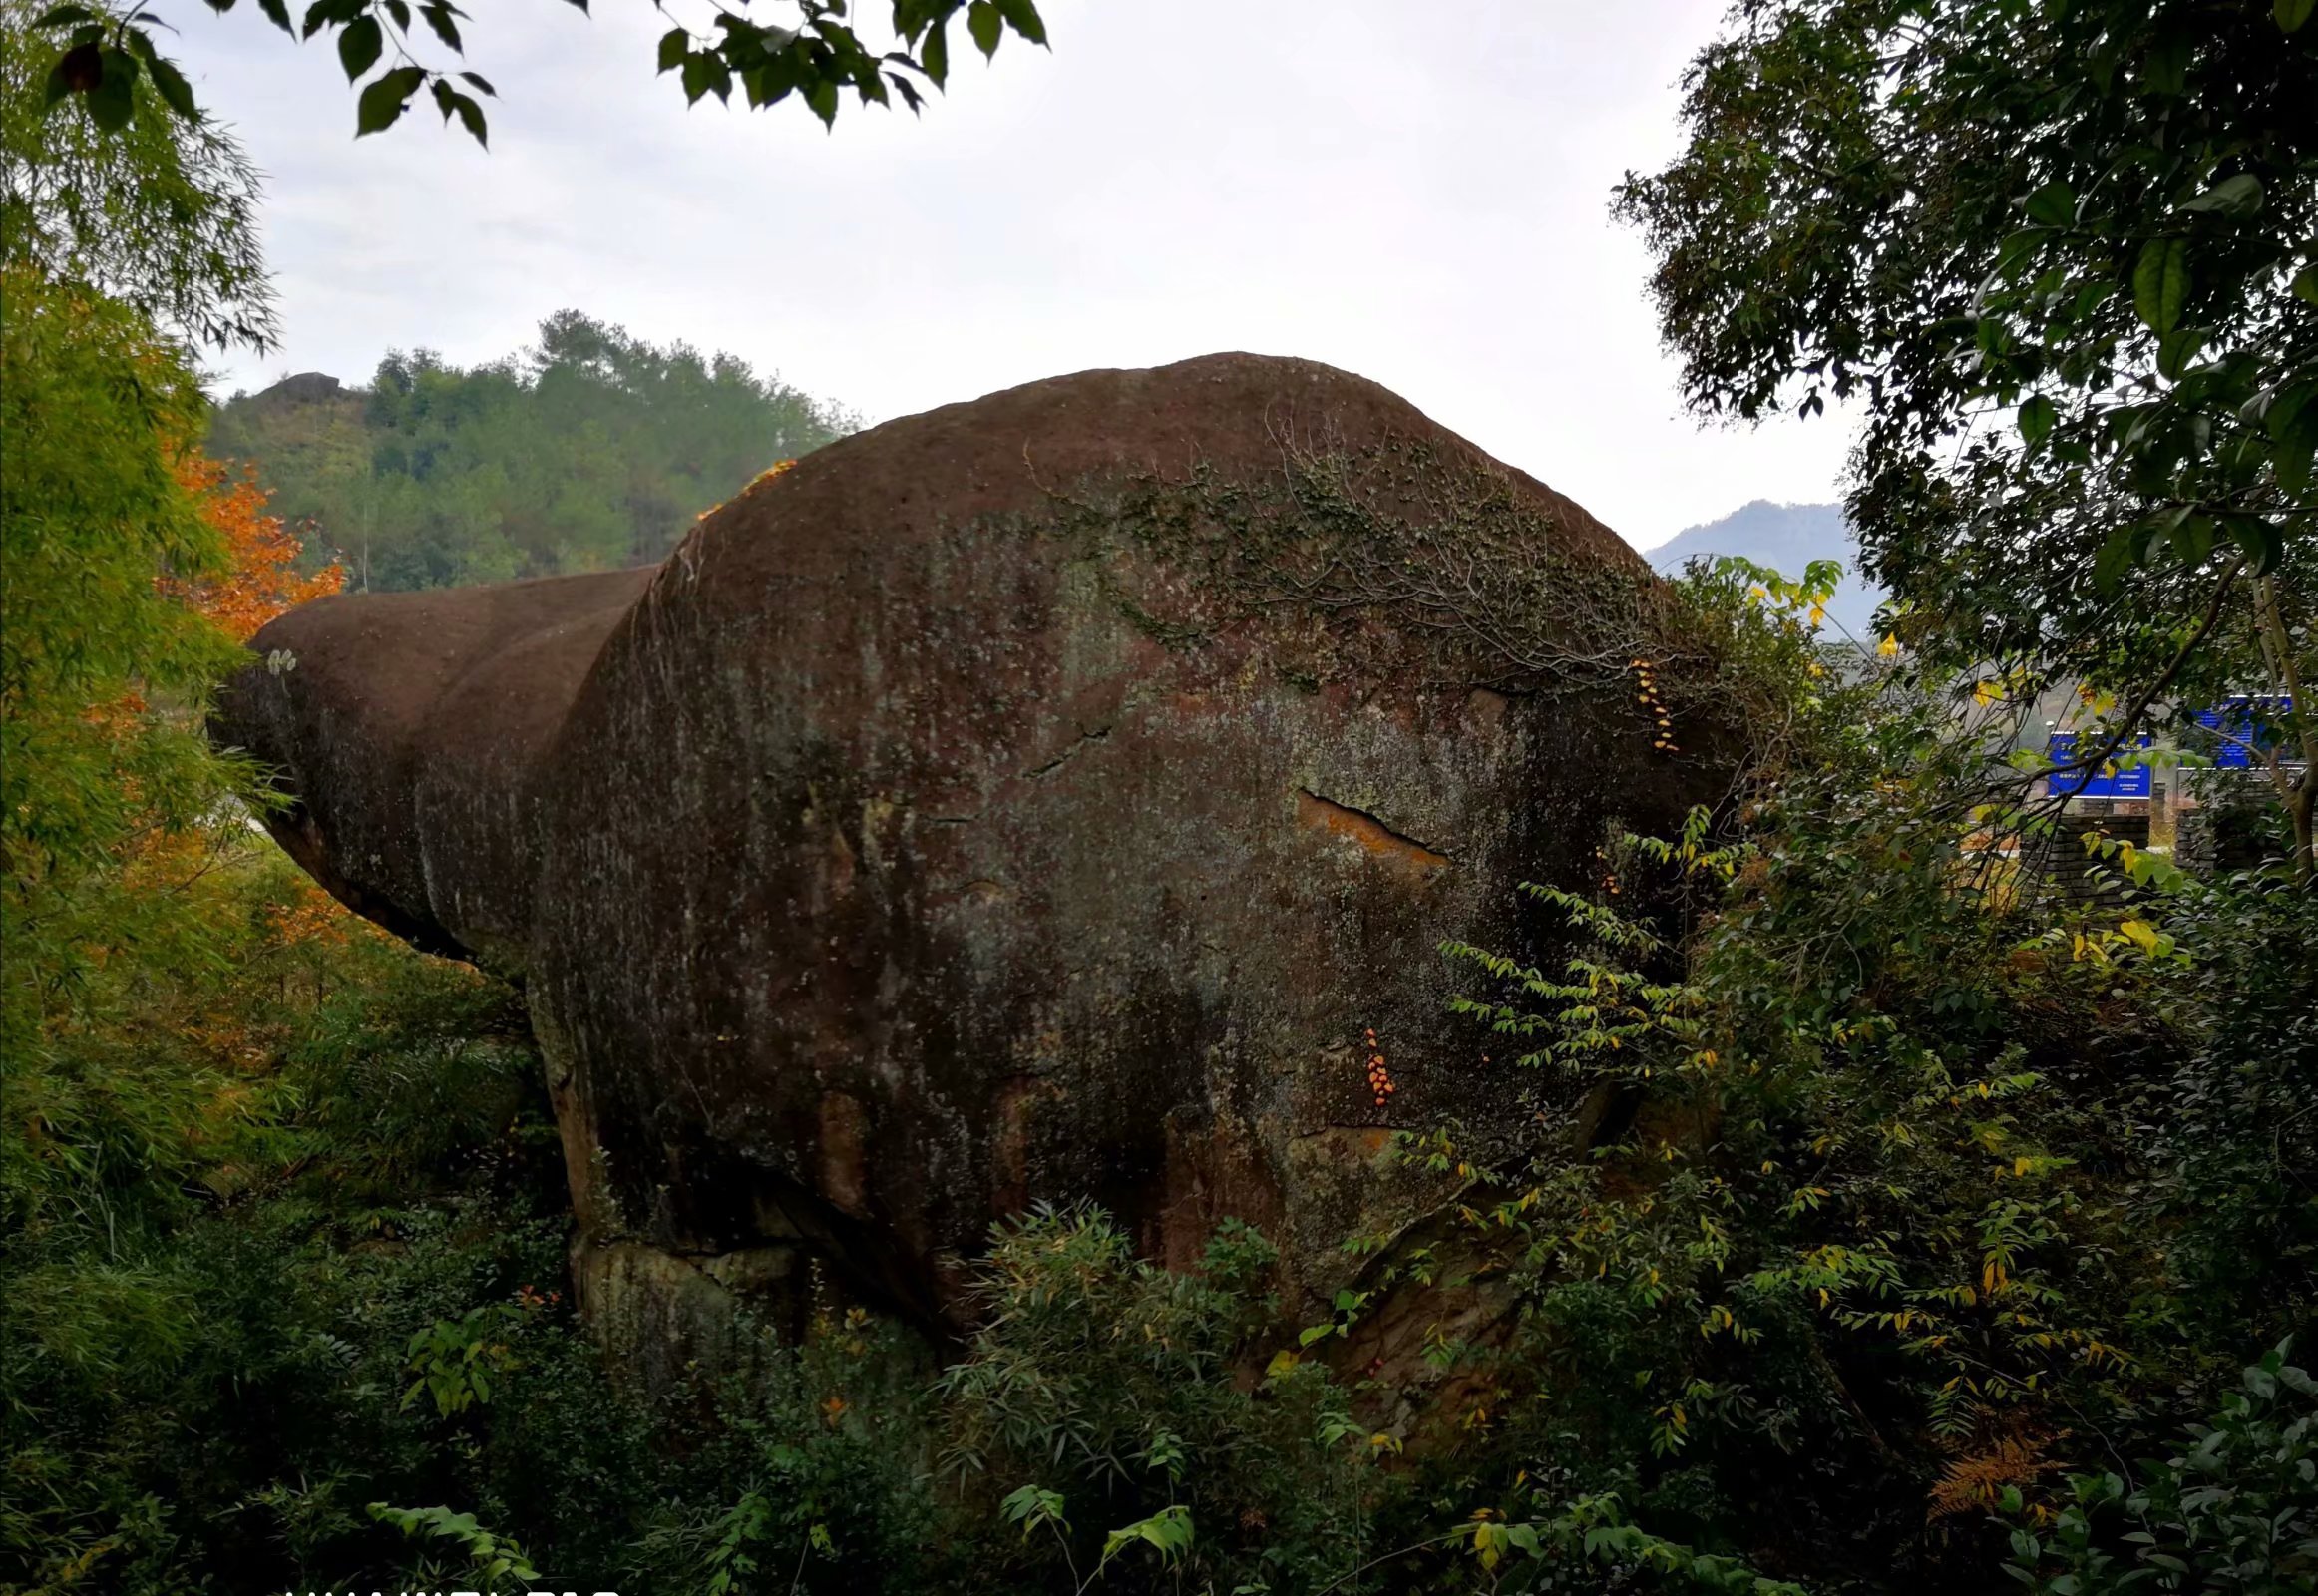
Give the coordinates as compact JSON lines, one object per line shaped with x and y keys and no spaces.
{"x":813,"y":55}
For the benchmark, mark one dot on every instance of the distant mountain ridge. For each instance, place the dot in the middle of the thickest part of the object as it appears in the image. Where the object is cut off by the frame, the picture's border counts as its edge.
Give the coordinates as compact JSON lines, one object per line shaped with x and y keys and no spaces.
{"x":1785,"y":537}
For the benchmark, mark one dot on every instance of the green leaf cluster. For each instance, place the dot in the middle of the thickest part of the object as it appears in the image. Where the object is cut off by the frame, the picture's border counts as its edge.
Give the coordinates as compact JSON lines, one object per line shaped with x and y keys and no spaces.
{"x":102,"y":674}
{"x":102,"y":57}
{"x":2235,"y":1508}
{"x":2063,"y":260}
{"x":158,"y":215}
{"x":491,"y":1557}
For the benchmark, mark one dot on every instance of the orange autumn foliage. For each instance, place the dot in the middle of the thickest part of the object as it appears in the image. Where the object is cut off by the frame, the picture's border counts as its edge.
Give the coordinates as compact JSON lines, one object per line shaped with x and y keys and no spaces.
{"x":310,"y":915}
{"x":1971,"y":1484}
{"x":261,"y":579}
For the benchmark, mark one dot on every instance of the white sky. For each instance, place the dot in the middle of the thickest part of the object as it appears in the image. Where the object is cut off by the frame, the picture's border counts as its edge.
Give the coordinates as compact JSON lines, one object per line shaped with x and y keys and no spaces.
{"x":1416,"y":194}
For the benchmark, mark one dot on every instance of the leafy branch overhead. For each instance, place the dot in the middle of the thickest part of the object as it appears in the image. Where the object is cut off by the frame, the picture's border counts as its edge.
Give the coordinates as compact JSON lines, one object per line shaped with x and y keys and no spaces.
{"x":2092,"y":219}
{"x":817,"y":61}
{"x":2063,"y":260}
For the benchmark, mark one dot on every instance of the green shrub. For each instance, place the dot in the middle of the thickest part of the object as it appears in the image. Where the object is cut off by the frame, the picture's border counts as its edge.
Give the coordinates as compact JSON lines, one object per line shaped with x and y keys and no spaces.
{"x":1121,"y":1395}
{"x":2234,"y":1510}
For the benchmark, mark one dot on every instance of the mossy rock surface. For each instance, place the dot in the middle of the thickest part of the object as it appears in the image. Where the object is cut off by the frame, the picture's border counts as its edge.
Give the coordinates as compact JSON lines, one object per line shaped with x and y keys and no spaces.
{"x":1043,"y":798}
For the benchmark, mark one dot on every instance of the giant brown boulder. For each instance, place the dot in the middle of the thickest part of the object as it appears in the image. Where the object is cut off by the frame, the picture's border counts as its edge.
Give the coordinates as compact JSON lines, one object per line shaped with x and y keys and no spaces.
{"x":1043,"y":798}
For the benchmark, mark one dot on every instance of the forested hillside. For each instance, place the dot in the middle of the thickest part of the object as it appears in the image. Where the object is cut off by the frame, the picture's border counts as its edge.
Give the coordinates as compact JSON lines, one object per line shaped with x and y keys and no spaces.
{"x":590,"y":449}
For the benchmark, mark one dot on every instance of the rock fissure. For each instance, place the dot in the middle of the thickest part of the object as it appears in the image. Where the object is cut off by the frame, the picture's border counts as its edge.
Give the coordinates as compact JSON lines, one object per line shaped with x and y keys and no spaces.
{"x":1085,"y":740}
{"x":1366,"y":832}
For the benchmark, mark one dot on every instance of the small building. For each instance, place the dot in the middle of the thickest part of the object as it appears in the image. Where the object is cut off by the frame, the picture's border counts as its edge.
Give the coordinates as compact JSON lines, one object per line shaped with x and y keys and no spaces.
{"x":2173,"y":794}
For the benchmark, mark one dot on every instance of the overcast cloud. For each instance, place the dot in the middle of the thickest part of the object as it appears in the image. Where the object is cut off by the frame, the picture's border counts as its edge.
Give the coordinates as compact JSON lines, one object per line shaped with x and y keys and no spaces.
{"x":1416,"y":194}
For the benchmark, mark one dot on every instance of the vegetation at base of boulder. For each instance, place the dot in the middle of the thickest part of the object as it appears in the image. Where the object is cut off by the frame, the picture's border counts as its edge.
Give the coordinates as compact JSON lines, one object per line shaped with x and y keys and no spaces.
{"x":285,"y":1234}
{"x":590,"y":451}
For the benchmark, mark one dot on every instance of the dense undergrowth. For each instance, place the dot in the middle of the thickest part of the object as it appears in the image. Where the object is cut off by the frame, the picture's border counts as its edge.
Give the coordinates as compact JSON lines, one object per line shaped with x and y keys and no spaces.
{"x":1938,"y":1209}
{"x":284,"y":1240}
{"x":1921,"y":1204}
{"x":1927,"y":1232}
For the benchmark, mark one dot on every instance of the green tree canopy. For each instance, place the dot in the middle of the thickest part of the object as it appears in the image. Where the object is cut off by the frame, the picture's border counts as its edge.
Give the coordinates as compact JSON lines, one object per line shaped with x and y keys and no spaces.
{"x":2065,"y":256}
{"x":160,"y":215}
{"x":590,"y":450}
{"x":118,"y":252}
{"x":101,"y":673}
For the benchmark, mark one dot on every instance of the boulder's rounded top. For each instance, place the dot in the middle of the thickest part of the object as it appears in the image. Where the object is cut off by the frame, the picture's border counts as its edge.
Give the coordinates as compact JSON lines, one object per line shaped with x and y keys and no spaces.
{"x":1236,"y":416}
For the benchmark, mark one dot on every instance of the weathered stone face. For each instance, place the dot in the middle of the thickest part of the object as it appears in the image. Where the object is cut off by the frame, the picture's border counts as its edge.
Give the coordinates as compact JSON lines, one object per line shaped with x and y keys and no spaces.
{"x":1038,"y":799}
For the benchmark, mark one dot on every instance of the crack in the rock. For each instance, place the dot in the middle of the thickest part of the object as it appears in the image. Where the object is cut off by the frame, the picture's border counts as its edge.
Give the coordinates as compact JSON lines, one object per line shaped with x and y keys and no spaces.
{"x":1069,"y":753}
{"x":1371,"y":834}
{"x":1033,"y":774}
